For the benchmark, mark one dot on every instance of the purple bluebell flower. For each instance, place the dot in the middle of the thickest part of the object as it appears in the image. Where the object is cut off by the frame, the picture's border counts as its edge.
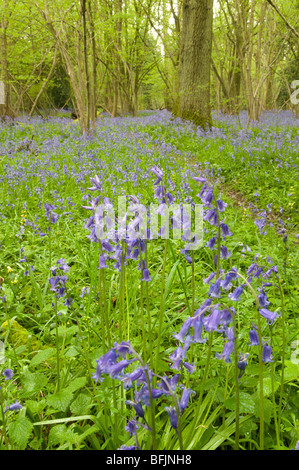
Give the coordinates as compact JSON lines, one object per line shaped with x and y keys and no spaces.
{"x":263,"y":299}
{"x":13,"y":407}
{"x":123,"y":348}
{"x":225,"y":230}
{"x":137,"y":407}
{"x":215,"y":289}
{"x":242,"y":363}
{"x":253,"y":337}
{"x":103,"y":364}
{"x":84,"y":290}
{"x":235,"y":295}
{"x":209,"y":278}
{"x":211,"y":321}
{"x":8,"y":374}
{"x":184,"y":330}
{"x":221,"y":205}
{"x":270,"y":316}
{"x":199,"y":179}
{"x":116,"y":369}
{"x":128,"y":379}
{"x":226,"y":282}
{"x":132,"y":427}
{"x":187,"y":343}
{"x":211,"y":217}
{"x":207,"y":197}
{"x":227,"y":350}
{"x":158,"y":173}
{"x":146,"y":276}
{"x":190,"y":367}
{"x":211,"y":243}
{"x":172,"y":416}
{"x":267,"y":353}
{"x":97,"y":184}
{"x":124,"y":447}
{"x":169,"y":385}
{"x":102,"y":263}
{"x":197,"y":324}
{"x":176,"y":358}
{"x":224,"y":253}
{"x":187,"y":392}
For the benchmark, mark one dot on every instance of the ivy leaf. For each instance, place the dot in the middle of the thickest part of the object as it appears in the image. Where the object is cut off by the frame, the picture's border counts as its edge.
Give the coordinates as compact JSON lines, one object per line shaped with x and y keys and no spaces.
{"x":19,"y":432}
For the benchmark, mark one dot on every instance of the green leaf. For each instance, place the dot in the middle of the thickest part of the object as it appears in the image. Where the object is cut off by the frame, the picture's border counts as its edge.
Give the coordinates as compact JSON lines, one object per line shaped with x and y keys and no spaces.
{"x":42,"y":356}
{"x":19,"y":432}
{"x":34,"y":382}
{"x":246,"y":403}
{"x":60,"y":400}
{"x":57,"y":435}
{"x":76,"y":384}
{"x":80,"y":404}
{"x":291,"y":371}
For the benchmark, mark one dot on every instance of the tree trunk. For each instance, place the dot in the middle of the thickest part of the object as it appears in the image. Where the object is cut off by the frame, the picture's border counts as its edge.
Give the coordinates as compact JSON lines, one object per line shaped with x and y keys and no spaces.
{"x":5,"y":109}
{"x":196,"y":47}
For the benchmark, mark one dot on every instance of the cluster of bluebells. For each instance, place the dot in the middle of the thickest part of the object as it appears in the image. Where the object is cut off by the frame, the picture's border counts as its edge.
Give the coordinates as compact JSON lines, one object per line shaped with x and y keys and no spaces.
{"x":212,"y":315}
{"x":115,"y":364}
{"x":127,"y":229}
{"x":58,"y":281}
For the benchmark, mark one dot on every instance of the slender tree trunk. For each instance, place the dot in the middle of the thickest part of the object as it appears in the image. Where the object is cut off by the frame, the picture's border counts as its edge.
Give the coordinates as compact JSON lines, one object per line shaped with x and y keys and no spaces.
{"x":5,"y":109}
{"x":196,"y":42}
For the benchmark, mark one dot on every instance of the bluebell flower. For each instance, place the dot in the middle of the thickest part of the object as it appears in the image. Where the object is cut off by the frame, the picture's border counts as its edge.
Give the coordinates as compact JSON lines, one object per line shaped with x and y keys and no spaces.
{"x":211,"y":321}
{"x":132,"y":427}
{"x":169,"y":385}
{"x":207,"y":197}
{"x":225,"y":230}
{"x":187,"y":392}
{"x":270,"y":316}
{"x":8,"y":374}
{"x":124,"y":447}
{"x":215,"y":289}
{"x":227,"y":350}
{"x":137,"y":407}
{"x":131,"y":377}
{"x":13,"y":407}
{"x":224,"y":253}
{"x":197,"y":324}
{"x":242,"y":363}
{"x":187,"y":343}
{"x":267,"y":353}
{"x":102,"y":263}
{"x":253,"y":337}
{"x":176,"y":358}
{"x":226,"y":282}
{"x":263,"y":299}
{"x":123,"y":348}
{"x":235,"y":295}
{"x":211,"y":243}
{"x":115,"y":369}
{"x":221,"y":205}
{"x":190,"y":367}
{"x":172,"y":416}
{"x":146,"y":276}
{"x":184,"y":330}
{"x":209,"y":278}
